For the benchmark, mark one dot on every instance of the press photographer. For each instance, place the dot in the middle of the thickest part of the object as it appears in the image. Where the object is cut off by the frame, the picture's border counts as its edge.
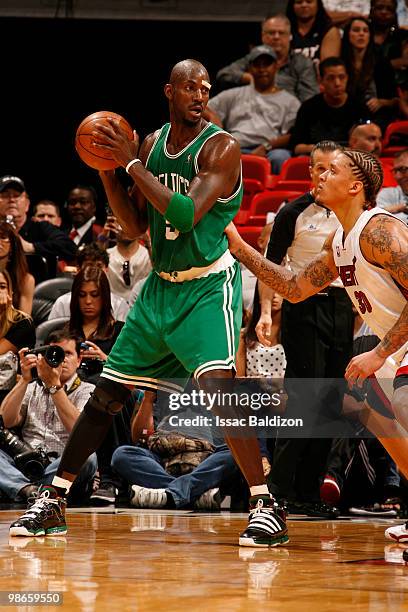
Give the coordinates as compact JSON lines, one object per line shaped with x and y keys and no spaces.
{"x":44,"y":410}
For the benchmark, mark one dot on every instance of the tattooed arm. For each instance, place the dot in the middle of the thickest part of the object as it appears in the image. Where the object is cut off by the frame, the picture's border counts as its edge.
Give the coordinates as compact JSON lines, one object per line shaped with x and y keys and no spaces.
{"x":384,"y":242}
{"x":293,"y":287}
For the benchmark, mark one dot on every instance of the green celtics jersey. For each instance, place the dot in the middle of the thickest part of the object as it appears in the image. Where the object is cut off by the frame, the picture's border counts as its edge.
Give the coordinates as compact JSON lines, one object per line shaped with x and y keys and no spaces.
{"x":206,"y":242}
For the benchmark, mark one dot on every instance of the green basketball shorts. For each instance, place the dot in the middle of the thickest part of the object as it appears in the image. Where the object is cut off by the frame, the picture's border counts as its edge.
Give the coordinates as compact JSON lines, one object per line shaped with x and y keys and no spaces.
{"x":177,"y":329}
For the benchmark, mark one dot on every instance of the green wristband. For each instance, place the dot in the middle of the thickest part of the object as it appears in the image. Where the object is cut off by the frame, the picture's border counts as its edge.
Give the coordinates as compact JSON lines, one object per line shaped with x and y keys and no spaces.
{"x":180,"y":212}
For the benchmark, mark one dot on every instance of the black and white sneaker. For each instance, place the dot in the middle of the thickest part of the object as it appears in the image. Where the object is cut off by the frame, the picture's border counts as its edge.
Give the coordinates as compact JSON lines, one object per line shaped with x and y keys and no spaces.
{"x":105,"y":495}
{"x":266,"y":524}
{"x":45,"y":515}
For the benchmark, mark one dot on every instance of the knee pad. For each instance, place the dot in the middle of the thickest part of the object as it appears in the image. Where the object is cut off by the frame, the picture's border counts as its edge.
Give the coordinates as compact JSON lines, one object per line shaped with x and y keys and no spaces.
{"x":108,"y":397}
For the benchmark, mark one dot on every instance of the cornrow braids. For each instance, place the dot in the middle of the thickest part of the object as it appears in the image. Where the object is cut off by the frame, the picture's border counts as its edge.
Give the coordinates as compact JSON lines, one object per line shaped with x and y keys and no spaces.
{"x":367,"y":169}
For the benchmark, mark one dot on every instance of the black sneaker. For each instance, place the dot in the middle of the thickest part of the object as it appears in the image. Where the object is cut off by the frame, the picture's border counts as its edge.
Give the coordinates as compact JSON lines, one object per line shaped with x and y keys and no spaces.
{"x":318,"y":510}
{"x":105,"y":495}
{"x":44,"y":516}
{"x":266,"y":527}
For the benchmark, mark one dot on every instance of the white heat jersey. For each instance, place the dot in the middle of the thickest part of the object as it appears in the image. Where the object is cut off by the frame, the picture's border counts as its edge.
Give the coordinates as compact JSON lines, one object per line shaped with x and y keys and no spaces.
{"x":373,"y":291}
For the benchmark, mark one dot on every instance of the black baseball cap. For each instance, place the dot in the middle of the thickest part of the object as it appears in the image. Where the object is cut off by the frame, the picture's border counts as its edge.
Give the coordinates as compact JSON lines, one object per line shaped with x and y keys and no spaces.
{"x":11,"y":181}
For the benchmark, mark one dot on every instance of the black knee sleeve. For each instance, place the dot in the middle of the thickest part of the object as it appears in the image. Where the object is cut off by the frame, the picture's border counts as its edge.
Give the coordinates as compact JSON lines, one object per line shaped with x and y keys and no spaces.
{"x":108,"y":397}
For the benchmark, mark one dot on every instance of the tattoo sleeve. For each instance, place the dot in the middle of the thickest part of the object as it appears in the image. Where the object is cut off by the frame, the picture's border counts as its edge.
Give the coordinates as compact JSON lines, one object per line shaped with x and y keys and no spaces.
{"x":396,"y":337}
{"x":293,"y":287}
{"x":384,"y":242}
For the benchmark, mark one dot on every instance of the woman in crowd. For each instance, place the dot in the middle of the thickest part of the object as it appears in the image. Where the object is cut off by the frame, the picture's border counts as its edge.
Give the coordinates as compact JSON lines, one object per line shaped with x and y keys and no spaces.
{"x":371,"y":76}
{"x":313,"y":32}
{"x":13,"y":259}
{"x":16,"y":332}
{"x":92,"y":319}
{"x":388,"y":36}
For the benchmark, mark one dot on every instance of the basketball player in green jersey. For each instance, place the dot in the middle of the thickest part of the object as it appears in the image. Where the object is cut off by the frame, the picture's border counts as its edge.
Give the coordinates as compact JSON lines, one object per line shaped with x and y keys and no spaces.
{"x":186,"y":321}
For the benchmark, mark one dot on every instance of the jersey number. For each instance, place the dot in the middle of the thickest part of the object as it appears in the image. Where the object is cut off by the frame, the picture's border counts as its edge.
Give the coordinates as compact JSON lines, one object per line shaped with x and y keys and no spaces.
{"x":171,"y":232}
{"x":363,"y":303}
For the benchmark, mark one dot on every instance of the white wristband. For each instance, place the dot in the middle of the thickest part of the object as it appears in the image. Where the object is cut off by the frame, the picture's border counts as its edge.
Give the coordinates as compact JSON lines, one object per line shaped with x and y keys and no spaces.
{"x":133,"y":161}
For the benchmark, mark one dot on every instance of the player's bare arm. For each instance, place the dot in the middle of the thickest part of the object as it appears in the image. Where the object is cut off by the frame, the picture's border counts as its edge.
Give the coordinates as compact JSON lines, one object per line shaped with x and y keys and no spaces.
{"x":317,"y":275}
{"x":130,"y":210}
{"x":384,"y":242}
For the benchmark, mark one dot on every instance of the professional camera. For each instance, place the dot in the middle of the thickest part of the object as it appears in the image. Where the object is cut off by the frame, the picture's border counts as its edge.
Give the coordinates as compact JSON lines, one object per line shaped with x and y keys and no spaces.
{"x":31,"y":462}
{"x":53,"y":354}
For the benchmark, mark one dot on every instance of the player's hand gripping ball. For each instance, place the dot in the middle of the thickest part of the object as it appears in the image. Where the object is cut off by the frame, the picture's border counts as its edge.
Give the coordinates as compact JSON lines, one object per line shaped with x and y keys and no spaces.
{"x":92,"y":156}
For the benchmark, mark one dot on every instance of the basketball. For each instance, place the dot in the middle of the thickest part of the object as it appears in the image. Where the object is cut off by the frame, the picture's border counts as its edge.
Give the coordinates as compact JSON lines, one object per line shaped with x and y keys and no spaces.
{"x":93,"y":157}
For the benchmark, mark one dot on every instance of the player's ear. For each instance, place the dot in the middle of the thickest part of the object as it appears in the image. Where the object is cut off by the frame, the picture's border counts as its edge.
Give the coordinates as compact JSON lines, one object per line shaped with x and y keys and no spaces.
{"x":168,"y":91}
{"x":356,"y":187}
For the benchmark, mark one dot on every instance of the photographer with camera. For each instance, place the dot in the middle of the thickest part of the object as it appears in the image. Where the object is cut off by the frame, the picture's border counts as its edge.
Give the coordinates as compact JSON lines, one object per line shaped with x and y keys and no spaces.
{"x":45,"y":408}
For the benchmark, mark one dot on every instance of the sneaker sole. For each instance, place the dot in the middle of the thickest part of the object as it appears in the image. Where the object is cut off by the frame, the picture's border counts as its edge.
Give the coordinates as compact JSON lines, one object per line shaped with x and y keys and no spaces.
{"x":101,"y":501}
{"x":361,"y":512}
{"x":22,"y":531}
{"x":264,"y":544}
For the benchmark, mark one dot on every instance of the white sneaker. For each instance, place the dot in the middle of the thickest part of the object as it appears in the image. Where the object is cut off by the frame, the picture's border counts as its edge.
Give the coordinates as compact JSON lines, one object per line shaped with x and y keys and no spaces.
{"x":397,"y":533}
{"x":210,"y":500}
{"x":143,"y":497}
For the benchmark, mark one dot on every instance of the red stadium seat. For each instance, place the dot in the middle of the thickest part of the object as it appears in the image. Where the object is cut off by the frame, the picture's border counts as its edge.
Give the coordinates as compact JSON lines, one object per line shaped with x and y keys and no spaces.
{"x":391,"y":143}
{"x":389,"y":178}
{"x":251,"y":188}
{"x":291,"y":185}
{"x":295,"y":168}
{"x":250,"y":234}
{"x":268,"y":201}
{"x":255,"y":167}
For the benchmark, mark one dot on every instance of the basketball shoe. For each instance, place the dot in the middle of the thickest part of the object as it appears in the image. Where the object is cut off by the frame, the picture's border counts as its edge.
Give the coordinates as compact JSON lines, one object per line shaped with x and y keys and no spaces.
{"x":45,"y":515}
{"x":398,"y":533}
{"x":266,"y":524}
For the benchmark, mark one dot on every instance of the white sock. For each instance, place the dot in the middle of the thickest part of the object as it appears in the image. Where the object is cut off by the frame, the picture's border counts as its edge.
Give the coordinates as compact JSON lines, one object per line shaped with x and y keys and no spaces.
{"x":61,"y":483}
{"x":259,"y":490}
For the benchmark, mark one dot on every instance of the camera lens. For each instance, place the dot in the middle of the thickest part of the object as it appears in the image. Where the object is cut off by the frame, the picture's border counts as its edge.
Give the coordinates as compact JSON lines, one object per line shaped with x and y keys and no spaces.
{"x":54,"y":356}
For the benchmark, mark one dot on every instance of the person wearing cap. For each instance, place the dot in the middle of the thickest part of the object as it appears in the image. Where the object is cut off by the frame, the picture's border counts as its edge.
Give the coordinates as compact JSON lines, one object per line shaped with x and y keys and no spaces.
{"x":296,"y":73}
{"x":260,"y":115}
{"x":37,"y":238}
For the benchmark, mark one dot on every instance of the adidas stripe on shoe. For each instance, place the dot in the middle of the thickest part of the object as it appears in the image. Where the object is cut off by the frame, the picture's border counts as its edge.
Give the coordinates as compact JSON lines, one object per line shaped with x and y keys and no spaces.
{"x":266,"y":525}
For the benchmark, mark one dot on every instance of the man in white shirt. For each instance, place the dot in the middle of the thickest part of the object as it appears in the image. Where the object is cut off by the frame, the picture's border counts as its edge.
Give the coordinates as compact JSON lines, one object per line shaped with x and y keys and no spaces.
{"x":129,"y":261}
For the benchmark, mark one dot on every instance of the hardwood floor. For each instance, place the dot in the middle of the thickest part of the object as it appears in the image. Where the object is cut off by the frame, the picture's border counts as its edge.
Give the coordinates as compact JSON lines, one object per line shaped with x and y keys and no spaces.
{"x":151,"y":560}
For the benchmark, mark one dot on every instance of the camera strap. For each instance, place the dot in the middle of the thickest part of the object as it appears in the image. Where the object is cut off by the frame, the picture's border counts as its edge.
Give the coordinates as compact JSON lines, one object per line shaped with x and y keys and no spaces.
{"x":74,"y":386}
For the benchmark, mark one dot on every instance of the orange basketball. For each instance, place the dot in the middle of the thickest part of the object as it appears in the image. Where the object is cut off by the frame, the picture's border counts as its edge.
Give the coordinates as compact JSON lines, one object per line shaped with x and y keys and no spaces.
{"x":97,"y":158}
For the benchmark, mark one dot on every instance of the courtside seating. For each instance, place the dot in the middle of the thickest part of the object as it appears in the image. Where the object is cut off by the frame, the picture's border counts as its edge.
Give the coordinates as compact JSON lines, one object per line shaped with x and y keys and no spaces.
{"x":268,"y":201}
{"x":390,"y":140}
{"x":250,"y":234}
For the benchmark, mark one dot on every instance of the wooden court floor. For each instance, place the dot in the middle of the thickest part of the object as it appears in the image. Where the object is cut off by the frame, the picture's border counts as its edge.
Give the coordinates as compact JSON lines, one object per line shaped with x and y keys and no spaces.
{"x":138,"y":560}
